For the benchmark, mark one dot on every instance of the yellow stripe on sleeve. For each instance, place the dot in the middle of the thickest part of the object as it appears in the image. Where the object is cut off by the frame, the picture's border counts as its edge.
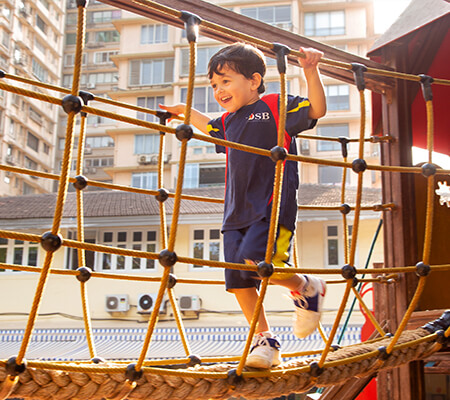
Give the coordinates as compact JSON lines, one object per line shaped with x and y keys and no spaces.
{"x":304,"y":103}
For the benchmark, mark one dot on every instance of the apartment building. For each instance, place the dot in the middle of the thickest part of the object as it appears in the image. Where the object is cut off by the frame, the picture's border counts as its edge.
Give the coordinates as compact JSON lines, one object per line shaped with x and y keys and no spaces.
{"x":99,"y":76}
{"x":31,"y":45}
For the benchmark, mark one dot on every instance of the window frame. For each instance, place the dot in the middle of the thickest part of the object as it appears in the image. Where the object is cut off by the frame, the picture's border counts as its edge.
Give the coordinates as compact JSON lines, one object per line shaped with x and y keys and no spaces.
{"x":9,"y":255}
{"x":206,"y":240}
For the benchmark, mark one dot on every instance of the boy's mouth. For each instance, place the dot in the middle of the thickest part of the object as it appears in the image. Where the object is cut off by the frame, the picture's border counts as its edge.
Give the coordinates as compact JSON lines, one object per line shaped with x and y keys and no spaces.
{"x":225,"y":99}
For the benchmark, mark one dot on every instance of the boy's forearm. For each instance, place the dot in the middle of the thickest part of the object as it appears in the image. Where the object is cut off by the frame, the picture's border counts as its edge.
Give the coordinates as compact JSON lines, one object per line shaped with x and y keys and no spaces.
{"x":316,"y":94}
{"x":200,"y":120}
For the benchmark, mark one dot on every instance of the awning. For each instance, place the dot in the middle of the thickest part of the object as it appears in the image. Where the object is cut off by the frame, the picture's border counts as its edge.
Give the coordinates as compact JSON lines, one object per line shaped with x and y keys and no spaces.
{"x":126,"y":343}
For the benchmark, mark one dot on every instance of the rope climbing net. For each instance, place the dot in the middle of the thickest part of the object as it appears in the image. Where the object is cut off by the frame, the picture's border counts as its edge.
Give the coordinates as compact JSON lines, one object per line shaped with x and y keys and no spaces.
{"x":192,"y":377}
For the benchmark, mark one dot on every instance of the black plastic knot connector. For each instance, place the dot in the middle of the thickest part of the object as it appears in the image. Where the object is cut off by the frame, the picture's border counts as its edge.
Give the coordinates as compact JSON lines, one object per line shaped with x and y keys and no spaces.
{"x":86,"y":96}
{"x":315,"y":370}
{"x":344,"y":141}
{"x":98,"y":360}
{"x":382,"y":353}
{"x":163,"y":116}
{"x":425,"y":82}
{"x":355,"y":281}
{"x":162,"y":195}
{"x":191,"y":23}
{"x":441,"y":338}
{"x":51,"y":242}
{"x":14,"y":369}
{"x":345,"y":209}
{"x":335,"y":347}
{"x":71,"y":103}
{"x":2,"y":73}
{"x":233,"y":378}
{"x":265,"y":270}
{"x":184,"y":131}
{"x":348,"y":271}
{"x":167,"y":258}
{"x":194,"y":360}
{"x":281,"y":52}
{"x":82,"y":3}
{"x":359,"y":165}
{"x":428,"y":169}
{"x":80,"y":182}
{"x":84,"y":274}
{"x":278,"y":153}
{"x":422,"y":269}
{"x":172,"y":281}
{"x":358,"y":73}
{"x":132,"y":374}
{"x":442,"y":323}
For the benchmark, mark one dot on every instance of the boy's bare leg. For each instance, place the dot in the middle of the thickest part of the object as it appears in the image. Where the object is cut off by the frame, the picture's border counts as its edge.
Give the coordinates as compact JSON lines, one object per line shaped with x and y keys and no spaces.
{"x":247,"y":299}
{"x":294,"y":284}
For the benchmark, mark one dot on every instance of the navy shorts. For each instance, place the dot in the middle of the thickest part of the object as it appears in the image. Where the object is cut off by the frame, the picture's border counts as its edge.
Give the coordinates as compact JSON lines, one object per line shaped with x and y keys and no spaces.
{"x":250,"y":244}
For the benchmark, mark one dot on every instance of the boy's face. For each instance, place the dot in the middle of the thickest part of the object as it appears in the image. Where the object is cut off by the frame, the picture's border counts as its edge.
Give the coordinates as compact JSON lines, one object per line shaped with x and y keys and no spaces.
{"x":233,"y":90}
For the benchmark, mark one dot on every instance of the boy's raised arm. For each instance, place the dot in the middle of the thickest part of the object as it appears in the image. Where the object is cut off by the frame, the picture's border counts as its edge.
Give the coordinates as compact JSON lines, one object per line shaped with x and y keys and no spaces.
{"x":316,"y":93}
{"x":198,"y":119}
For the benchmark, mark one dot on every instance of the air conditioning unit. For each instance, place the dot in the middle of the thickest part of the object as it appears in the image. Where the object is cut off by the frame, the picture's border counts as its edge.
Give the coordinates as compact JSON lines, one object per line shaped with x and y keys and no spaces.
{"x":90,"y":85}
{"x":146,"y":303}
{"x":10,"y":159}
{"x":145,"y":159}
{"x":190,"y":303}
{"x":117,"y":303}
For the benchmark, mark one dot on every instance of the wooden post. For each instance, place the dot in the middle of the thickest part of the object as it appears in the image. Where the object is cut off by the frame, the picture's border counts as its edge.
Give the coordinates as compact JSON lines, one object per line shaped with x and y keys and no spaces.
{"x":400,"y":244}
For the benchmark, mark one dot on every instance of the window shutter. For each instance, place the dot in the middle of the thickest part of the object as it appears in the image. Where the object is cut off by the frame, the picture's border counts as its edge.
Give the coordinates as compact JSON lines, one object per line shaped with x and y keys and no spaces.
{"x":135,"y":69}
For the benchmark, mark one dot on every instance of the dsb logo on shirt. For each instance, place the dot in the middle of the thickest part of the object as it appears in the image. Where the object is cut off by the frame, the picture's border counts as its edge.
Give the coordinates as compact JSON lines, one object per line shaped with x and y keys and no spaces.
{"x":258,"y":116}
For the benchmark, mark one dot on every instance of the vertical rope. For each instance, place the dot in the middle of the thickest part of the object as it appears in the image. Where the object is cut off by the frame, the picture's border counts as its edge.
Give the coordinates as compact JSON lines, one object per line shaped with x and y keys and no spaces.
{"x":62,"y":190}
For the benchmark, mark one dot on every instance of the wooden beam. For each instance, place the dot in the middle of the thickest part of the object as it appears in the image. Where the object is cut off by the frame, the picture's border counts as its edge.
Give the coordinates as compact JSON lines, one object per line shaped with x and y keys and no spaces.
{"x":257,"y":29}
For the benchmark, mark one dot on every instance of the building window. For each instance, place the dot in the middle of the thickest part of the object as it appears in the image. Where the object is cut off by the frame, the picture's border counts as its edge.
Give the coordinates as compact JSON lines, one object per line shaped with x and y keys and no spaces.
{"x":335,"y":130}
{"x":18,"y":252}
{"x":71,"y":38}
{"x":337,"y":97}
{"x":151,"y":72}
{"x":332,"y":175}
{"x":30,"y":164}
{"x":104,"y":57}
{"x":146,"y":144}
{"x":335,"y":244}
{"x":40,"y":23}
{"x":203,"y":99}
{"x":136,"y":240}
{"x":206,"y":246}
{"x":203,"y":56}
{"x":152,"y":34}
{"x":32,"y":141}
{"x":203,"y":175}
{"x":152,"y":104}
{"x":274,"y":87}
{"x":327,"y":23}
{"x":39,"y":71}
{"x":107,"y":36}
{"x":27,"y":189}
{"x":95,"y":142}
{"x":45,"y":148}
{"x":145,"y":180}
{"x":100,"y":17}
{"x":275,"y":15}
{"x":69,"y":60}
{"x":102,"y":77}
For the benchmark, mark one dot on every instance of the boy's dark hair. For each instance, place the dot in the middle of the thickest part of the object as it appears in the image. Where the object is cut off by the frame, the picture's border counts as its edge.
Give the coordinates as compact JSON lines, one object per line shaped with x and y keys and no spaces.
{"x":241,"y":58}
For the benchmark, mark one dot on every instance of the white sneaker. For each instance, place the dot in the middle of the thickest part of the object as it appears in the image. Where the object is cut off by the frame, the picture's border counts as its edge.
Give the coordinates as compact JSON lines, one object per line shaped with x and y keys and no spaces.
{"x":308,"y":306}
{"x":265,"y":352}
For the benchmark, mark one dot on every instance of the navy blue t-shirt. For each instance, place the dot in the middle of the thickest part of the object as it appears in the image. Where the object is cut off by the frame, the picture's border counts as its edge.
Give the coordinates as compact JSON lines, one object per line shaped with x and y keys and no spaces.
{"x":249,"y":176}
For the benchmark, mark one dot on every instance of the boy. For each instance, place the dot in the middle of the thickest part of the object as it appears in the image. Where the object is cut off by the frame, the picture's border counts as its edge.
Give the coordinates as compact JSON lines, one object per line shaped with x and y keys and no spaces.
{"x":236,"y":75}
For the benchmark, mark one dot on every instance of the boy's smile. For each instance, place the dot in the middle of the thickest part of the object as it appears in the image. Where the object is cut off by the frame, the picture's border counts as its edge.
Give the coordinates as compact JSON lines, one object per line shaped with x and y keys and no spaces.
{"x":233,"y":90}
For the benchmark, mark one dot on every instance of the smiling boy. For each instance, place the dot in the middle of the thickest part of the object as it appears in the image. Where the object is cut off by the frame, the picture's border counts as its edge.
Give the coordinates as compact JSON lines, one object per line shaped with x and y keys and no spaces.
{"x":236,"y":75}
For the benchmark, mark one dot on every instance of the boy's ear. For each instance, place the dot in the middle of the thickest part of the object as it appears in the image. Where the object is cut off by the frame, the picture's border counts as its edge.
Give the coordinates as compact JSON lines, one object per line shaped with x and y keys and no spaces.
{"x":256,"y":80}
